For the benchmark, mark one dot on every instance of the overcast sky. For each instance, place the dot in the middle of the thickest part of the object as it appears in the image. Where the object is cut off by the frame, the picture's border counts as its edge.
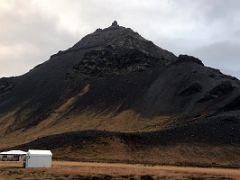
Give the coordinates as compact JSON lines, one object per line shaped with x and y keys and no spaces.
{"x":32,"y":30}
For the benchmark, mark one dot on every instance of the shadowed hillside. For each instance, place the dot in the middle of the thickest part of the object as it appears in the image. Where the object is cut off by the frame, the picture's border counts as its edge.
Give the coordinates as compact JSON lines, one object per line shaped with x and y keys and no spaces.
{"x":116,"y":90}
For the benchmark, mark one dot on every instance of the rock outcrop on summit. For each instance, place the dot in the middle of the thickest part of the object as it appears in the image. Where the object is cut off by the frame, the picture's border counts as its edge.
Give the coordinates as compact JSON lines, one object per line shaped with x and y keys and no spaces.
{"x":115,"y":90}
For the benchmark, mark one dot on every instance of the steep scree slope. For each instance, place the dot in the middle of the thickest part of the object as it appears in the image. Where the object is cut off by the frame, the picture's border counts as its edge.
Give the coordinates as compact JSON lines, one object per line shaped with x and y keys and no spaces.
{"x":139,"y":96}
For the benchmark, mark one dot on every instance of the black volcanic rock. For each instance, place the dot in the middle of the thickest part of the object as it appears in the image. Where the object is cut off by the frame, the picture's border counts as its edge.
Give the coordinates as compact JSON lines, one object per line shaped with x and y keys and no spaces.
{"x":6,"y":85}
{"x":113,"y":79}
{"x":189,"y":59}
{"x":118,"y":36}
{"x":44,"y":87}
{"x":115,"y":23}
{"x":220,"y":90}
{"x":192,"y":89}
{"x":116,"y":60}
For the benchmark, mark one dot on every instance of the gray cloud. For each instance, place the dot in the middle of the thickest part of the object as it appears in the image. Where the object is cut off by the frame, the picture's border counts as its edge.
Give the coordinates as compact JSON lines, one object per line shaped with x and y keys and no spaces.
{"x":28,"y":38}
{"x":35,"y":29}
{"x":223,"y":55}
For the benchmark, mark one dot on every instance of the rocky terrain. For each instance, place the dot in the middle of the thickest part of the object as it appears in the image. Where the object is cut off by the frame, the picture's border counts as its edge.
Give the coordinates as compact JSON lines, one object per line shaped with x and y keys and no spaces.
{"x":115,"y":96}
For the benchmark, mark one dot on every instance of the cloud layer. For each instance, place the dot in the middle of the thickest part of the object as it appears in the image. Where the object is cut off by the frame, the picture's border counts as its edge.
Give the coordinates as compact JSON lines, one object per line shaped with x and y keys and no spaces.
{"x":33,"y":30}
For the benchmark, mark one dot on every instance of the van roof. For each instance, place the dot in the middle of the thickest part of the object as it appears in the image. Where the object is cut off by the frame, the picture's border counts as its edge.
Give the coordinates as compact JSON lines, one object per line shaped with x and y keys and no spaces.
{"x":39,"y":152}
{"x":14,"y":152}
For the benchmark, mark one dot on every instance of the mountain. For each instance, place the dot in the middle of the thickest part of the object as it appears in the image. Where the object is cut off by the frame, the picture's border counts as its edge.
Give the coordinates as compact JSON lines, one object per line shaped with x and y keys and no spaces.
{"x":115,"y":96}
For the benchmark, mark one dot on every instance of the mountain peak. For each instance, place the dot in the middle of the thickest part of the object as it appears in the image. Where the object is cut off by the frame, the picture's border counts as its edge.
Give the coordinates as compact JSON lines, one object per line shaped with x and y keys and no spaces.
{"x":115,"y":23}
{"x":122,"y":37}
{"x":118,"y":86}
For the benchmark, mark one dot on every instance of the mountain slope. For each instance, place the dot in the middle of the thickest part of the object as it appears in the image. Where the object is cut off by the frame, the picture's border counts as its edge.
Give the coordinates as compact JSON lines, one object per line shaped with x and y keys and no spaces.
{"x":114,"y":89}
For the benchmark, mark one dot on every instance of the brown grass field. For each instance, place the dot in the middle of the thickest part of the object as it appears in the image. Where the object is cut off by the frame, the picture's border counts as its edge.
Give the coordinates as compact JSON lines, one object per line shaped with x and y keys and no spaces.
{"x":94,"y":171}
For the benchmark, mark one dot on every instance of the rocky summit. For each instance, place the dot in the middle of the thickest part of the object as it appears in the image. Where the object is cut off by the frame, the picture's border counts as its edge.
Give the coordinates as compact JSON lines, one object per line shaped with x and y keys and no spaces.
{"x":117,"y":97}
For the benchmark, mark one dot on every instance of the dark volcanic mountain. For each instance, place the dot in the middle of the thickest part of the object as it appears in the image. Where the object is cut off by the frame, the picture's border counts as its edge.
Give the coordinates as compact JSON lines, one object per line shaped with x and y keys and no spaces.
{"x":115,"y":90}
